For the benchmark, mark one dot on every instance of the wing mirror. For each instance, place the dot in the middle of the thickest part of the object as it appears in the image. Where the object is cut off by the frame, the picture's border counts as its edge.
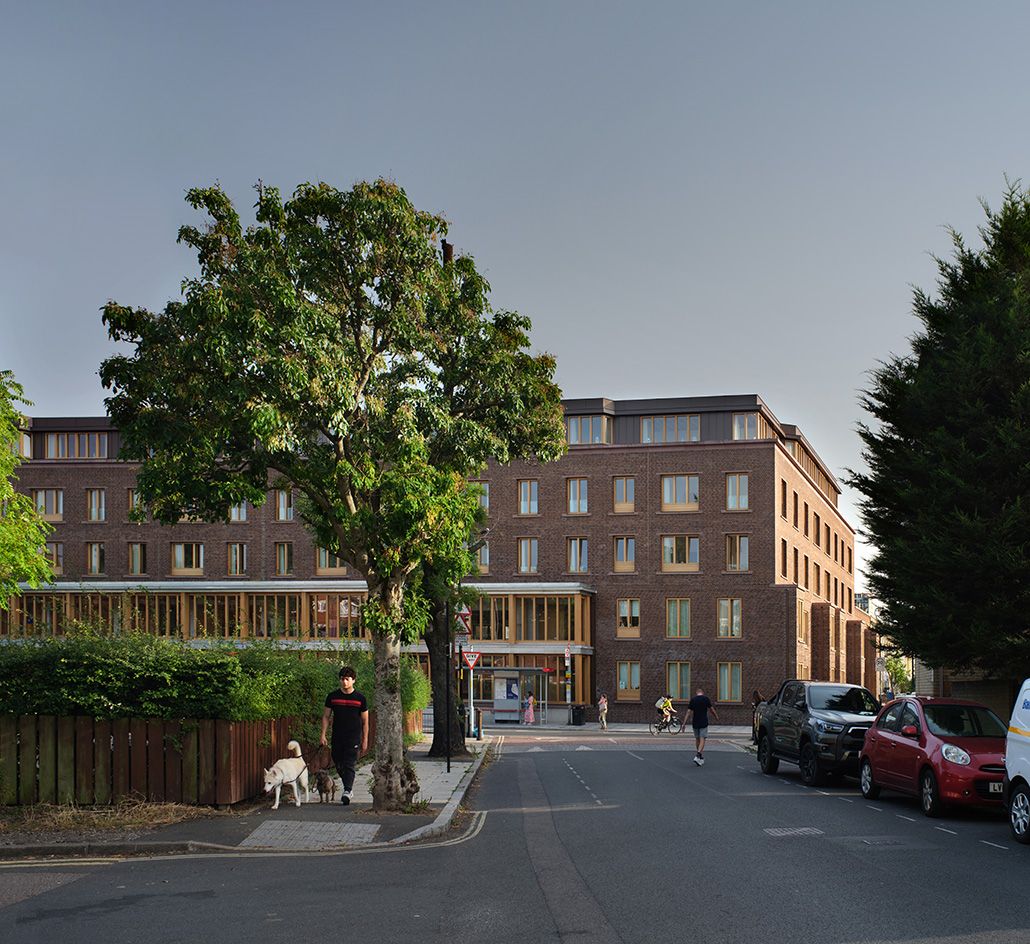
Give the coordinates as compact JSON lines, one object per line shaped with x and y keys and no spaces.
{"x":910,"y":731}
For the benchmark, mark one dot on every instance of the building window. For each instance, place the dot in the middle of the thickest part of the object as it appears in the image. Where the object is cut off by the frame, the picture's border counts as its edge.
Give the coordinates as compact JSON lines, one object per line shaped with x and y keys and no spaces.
{"x":729,"y":618}
{"x":826,"y":579}
{"x":680,"y":492}
{"x":817,"y":573}
{"x":484,"y":496}
{"x":849,"y":560}
{"x":55,"y":554}
{"x":737,"y":552}
{"x":806,"y":519}
{"x":729,"y":681}
{"x":576,"y":491}
{"x":736,"y":491}
{"x":677,"y":618}
{"x":23,"y":447}
{"x":76,"y":446}
{"x":677,"y":680}
{"x":49,"y":503}
{"x":237,"y":560}
{"x":528,"y":491}
{"x":629,"y":681}
{"x":134,"y":503}
{"x":783,"y":499}
{"x":826,"y":528}
{"x":284,"y":504}
{"x":662,"y":429}
{"x":806,"y":571}
{"x":680,"y":552}
{"x":588,"y":430}
{"x":796,"y":564}
{"x":483,"y":557}
{"x":625,"y":555}
{"x":835,"y":587}
{"x":577,"y":556}
{"x":783,"y":557}
{"x":628,"y":624}
{"x":745,"y":426}
{"x":94,"y":559}
{"x":238,"y":512}
{"x":795,"y":510}
{"x":137,"y":558}
{"x":835,"y":547}
{"x":817,"y":530}
{"x":804,"y":624}
{"x":284,"y":558}
{"x":328,"y":563}
{"x":850,"y":600}
{"x":527,"y":555}
{"x":624,"y":494}
{"x":96,"y":504}
{"x":188,"y":559}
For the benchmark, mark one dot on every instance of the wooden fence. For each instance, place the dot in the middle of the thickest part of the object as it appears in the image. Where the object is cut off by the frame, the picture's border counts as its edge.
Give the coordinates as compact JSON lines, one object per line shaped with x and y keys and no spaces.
{"x":48,"y":759}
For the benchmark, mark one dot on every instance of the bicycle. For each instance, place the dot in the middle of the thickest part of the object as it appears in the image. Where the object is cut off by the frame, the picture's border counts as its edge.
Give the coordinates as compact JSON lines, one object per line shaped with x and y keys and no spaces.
{"x":659,"y":724}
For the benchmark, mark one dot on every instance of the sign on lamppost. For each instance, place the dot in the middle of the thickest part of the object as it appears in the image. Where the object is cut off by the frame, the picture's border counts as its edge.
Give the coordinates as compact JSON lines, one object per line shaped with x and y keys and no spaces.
{"x":568,"y":680}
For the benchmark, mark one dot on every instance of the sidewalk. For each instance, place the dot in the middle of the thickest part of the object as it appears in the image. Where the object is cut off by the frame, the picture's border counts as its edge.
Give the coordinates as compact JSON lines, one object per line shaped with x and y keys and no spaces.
{"x":313,"y":826}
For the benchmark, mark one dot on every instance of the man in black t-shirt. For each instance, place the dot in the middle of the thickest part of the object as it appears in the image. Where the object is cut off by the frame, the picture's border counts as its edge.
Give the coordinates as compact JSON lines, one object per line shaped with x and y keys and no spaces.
{"x":349,"y":712}
{"x":698,"y":707}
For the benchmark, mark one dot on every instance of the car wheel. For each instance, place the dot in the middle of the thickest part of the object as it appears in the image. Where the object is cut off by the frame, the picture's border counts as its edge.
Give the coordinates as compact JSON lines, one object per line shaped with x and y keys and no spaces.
{"x":1019,"y":813}
{"x":929,"y":794}
{"x":766,"y":761}
{"x":865,"y":779}
{"x":811,"y":775}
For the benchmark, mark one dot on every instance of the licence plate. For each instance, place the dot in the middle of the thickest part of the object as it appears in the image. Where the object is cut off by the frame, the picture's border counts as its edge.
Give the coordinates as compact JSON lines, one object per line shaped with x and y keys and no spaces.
{"x":995,"y":787}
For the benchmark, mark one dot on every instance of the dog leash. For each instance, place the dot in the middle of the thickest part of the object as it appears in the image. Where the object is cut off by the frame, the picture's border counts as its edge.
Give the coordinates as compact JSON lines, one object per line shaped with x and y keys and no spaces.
{"x":295,"y":779}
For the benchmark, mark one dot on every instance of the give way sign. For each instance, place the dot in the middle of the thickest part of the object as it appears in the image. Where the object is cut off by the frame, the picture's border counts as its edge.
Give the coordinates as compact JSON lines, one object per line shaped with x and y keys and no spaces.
{"x":471,"y":658}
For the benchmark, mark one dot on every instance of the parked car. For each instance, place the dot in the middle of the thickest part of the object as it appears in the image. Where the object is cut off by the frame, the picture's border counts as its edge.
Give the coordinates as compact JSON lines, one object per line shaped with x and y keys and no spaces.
{"x":943,"y":750}
{"x":1017,"y":766}
{"x":820,"y":726}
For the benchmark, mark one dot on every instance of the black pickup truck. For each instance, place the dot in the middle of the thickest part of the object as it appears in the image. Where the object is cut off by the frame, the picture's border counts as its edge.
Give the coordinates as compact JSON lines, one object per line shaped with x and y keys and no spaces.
{"x":820,"y":726}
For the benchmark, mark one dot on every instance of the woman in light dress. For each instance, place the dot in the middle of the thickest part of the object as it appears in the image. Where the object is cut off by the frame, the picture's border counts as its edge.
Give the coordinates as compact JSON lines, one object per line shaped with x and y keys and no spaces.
{"x":530,"y":717}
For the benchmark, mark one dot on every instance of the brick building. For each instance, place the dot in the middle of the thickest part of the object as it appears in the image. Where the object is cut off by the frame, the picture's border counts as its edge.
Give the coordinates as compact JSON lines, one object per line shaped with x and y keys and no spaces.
{"x":680,"y":543}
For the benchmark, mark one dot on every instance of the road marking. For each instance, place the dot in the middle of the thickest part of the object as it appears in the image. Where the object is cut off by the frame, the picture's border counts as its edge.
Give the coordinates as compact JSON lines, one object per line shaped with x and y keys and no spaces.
{"x":845,"y":800}
{"x":535,"y":750}
{"x":876,"y":808}
{"x":613,"y":740}
{"x":943,"y":830}
{"x":52,"y":863}
{"x":583,"y":747}
{"x":781,"y":831}
{"x":994,"y":844}
{"x":909,"y":818}
{"x":637,"y":756}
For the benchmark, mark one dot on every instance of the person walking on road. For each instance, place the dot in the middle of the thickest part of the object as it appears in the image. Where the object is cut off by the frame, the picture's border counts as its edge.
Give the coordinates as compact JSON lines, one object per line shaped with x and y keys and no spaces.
{"x":602,"y":711}
{"x":698,"y":708}
{"x":348,"y":710}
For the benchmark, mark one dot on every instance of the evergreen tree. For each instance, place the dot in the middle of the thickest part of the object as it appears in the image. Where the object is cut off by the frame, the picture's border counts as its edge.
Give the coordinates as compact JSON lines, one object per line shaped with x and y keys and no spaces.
{"x":947,"y":496}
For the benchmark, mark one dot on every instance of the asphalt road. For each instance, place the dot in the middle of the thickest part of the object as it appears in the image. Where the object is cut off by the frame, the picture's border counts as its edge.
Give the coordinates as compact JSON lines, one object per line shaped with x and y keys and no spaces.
{"x":583,"y":840}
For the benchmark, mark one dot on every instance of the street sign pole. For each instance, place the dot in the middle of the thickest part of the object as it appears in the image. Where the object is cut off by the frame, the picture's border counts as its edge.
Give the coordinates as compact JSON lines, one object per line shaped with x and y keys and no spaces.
{"x":568,"y":681}
{"x":449,"y":680}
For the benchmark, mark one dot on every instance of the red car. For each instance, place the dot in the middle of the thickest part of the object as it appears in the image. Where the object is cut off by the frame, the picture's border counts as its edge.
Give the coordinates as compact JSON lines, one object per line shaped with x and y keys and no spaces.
{"x":943,"y":750}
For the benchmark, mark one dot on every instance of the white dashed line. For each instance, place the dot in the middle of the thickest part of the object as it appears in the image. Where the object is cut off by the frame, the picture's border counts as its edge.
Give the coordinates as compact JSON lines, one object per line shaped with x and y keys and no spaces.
{"x":845,"y":799}
{"x":994,"y":845}
{"x":943,"y":830}
{"x":637,"y":756}
{"x":876,"y":809}
{"x":909,"y":818}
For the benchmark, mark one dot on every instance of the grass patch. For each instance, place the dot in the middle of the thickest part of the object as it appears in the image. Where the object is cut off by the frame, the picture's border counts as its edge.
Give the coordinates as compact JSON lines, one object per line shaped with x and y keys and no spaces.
{"x":417,"y":807}
{"x":129,"y":813}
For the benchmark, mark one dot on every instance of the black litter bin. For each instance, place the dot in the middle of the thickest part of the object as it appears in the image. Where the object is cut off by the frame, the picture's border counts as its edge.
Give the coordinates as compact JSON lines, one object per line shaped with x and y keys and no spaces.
{"x":579,"y":715}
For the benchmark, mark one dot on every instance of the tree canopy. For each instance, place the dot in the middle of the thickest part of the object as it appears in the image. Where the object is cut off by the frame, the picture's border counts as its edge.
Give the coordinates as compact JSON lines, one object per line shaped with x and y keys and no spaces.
{"x":326,"y":348}
{"x":946,"y":500}
{"x":23,"y":533}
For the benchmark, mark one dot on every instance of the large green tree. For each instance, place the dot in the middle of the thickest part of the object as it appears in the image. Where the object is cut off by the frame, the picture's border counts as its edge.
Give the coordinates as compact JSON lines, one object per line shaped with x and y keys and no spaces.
{"x":946,"y":499}
{"x":506,"y":406}
{"x":22,"y":532}
{"x":310,"y":352}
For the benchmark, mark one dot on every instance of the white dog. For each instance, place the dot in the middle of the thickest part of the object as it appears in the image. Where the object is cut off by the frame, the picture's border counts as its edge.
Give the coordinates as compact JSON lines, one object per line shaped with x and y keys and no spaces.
{"x":288,"y":770}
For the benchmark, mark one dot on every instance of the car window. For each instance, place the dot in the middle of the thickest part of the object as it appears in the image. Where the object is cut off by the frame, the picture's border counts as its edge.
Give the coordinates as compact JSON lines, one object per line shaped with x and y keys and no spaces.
{"x":790,"y":695}
{"x":848,"y":698}
{"x":890,"y":720}
{"x":963,"y":721}
{"x":908,"y":716}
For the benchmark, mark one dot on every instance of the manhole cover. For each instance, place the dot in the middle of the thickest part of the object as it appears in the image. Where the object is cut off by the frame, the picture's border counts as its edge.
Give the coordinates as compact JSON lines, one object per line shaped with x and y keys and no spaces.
{"x":793,"y":831}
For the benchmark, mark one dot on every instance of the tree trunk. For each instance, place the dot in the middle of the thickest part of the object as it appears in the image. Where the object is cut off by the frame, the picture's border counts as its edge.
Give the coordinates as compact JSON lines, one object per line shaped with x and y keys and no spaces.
{"x":438,"y":637}
{"x":393,"y":780}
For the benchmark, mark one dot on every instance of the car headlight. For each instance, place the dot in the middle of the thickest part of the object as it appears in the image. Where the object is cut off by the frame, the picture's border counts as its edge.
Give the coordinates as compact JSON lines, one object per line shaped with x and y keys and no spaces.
{"x":955,"y":754}
{"x":827,"y":727}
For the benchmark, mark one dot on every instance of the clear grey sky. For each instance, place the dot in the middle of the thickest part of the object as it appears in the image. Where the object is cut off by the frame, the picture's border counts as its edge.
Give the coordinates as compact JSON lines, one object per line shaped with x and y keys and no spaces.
{"x":686,"y":198}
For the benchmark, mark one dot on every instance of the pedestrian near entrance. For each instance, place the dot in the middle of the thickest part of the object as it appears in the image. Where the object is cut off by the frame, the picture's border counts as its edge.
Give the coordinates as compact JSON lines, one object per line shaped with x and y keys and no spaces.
{"x":698,"y":708}
{"x":602,"y":711}
{"x":530,"y":716}
{"x":348,"y":710}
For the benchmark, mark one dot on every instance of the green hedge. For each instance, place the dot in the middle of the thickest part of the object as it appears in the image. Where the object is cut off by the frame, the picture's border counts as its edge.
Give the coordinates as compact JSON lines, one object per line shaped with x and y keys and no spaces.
{"x":145,"y":677}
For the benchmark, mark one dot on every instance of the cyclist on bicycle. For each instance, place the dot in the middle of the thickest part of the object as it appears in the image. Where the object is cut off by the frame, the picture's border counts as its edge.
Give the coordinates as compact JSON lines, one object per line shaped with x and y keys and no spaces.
{"x":665,"y":706}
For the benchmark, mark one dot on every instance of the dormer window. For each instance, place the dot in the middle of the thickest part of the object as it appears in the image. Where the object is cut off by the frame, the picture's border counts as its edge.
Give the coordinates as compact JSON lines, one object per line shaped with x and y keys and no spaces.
{"x":588,"y":430}
{"x":682,"y":427}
